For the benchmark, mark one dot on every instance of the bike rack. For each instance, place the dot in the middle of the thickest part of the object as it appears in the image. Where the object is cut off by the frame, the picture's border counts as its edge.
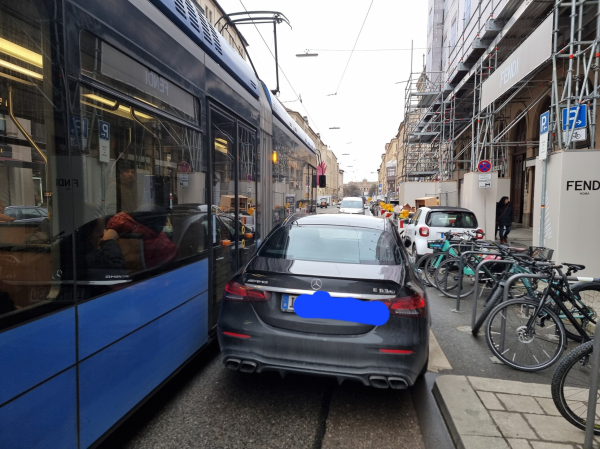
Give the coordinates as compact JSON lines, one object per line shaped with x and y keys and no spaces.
{"x":509,"y":282}
{"x":461,"y":265}
{"x":475,"y":296}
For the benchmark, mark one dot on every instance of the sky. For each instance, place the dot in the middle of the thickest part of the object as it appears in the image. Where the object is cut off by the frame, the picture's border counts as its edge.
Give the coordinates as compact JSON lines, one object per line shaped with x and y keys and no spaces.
{"x":369,"y":106}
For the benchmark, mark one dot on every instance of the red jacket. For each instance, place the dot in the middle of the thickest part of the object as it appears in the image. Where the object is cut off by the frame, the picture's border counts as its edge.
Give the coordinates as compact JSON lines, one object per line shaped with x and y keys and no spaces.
{"x":158,"y":249}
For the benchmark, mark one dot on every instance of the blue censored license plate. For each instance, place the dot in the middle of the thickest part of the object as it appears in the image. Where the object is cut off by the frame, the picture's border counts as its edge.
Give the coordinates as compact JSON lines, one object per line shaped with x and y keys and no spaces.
{"x":287,"y":303}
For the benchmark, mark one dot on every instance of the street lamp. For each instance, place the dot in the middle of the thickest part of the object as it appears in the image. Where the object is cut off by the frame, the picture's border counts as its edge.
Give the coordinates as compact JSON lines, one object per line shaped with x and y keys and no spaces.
{"x":334,"y":127}
{"x":306,"y":54}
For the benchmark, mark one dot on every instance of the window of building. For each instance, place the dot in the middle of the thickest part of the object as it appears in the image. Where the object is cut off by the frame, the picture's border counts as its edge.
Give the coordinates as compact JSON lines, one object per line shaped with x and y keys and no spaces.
{"x":467,"y":11}
{"x":453,"y":32}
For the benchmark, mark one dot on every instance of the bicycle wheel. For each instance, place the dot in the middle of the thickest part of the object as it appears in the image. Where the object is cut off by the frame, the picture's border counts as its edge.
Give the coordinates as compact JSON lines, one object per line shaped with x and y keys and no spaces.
{"x":447,"y":276}
{"x":571,"y":386}
{"x":421,"y":267}
{"x":589,"y":301}
{"x":431,"y":265}
{"x":507,"y":336}
{"x":495,"y":298}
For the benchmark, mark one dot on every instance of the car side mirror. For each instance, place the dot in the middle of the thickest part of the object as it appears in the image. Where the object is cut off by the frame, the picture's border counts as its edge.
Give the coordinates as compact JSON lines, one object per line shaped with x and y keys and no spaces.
{"x":338,"y":206}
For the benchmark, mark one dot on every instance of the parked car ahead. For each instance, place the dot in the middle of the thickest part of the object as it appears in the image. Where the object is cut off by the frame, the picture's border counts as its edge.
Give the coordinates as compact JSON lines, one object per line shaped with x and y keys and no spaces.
{"x":355,"y":257}
{"x":431,"y":223}
{"x":352,"y":205}
{"x":27,"y":214}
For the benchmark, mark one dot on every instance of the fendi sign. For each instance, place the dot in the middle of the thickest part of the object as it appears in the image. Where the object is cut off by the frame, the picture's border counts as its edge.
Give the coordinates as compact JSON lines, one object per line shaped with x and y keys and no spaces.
{"x":536,"y":49}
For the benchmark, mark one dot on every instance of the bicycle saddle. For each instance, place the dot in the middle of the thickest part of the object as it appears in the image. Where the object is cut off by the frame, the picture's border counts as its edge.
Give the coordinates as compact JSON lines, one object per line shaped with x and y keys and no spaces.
{"x":574,"y":266}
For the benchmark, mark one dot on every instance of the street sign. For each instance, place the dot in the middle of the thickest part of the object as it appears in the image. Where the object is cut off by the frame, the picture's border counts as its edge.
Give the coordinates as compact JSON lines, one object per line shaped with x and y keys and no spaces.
{"x":485,"y":184}
{"x":485,"y":177}
{"x":578,"y":135}
{"x":184,"y":167}
{"x":544,"y":126}
{"x":580,"y":120}
{"x":484,"y":166}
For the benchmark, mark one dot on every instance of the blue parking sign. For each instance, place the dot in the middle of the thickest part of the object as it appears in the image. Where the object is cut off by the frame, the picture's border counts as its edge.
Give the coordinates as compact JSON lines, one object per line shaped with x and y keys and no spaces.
{"x":104,"y":130}
{"x":580,"y":121}
{"x":544,"y":122}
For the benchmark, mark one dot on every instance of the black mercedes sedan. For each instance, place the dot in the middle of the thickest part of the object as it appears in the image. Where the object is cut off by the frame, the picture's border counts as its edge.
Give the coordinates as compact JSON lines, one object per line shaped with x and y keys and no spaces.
{"x":330,"y":295}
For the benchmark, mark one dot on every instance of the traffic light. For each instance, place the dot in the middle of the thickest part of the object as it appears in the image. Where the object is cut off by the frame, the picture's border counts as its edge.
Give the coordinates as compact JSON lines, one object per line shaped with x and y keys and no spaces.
{"x":322,"y":181}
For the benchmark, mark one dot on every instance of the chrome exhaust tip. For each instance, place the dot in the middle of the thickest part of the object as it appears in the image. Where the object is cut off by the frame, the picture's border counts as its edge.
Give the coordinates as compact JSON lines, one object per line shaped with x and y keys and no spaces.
{"x":247,"y":367}
{"x":232,"y":364}
{"x":397,"y":383}
{"x":379,"y":382}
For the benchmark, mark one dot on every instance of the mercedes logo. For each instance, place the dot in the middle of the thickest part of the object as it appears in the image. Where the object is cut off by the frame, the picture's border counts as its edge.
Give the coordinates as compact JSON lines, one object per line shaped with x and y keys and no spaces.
{"x":316,"y":284}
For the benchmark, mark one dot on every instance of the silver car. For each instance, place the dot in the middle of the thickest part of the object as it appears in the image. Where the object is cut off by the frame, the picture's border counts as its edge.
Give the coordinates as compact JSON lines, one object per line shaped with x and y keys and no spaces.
{"x":352,"y":205}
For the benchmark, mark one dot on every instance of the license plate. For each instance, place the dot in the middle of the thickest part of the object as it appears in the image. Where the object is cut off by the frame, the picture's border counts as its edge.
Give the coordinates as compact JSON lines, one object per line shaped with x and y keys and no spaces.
{"x":287,"y":303}
{"x":441,"y":234}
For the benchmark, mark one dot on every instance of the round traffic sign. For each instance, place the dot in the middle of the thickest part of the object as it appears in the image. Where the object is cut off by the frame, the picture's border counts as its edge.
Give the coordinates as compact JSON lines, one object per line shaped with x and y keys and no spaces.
{"x":484,"y":166}
{"x":184,"y":167}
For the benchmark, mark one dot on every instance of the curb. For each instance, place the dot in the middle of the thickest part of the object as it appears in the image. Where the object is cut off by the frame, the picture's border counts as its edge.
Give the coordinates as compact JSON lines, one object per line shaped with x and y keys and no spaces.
{"x":468,"y":421}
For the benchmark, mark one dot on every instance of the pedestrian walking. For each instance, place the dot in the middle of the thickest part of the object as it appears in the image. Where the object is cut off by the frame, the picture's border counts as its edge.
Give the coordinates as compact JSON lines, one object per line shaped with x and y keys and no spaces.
{"x":504,"y":218}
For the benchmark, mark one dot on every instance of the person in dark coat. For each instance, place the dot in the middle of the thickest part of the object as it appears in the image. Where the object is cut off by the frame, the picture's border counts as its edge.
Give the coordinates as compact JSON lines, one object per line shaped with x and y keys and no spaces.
{"x":504,"y":218}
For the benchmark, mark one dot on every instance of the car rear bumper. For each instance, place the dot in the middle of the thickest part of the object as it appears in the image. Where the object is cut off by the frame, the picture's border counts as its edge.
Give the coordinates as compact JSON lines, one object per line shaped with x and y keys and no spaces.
{"x":345,"y":357}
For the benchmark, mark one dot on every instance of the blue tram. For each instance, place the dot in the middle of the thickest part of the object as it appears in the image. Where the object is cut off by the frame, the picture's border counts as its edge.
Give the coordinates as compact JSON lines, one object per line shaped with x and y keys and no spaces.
{"x":148,"y":161}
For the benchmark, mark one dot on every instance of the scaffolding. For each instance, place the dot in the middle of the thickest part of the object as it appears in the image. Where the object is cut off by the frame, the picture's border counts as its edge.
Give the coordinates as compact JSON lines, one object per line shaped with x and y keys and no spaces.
{"x":446,"y":131}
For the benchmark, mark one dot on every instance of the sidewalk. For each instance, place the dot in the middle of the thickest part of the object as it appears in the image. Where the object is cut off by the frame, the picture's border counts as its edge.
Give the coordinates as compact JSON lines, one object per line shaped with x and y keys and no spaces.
{"x":521,"y":235}
{"x":503,"y":414}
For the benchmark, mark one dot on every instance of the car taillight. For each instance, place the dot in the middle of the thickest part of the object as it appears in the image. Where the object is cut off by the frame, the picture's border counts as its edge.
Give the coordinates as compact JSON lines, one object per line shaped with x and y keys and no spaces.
{"x":238,"y":292}
{"x":423,"y":231}
{"x":479,"y":234}
{"x":413,"y":306}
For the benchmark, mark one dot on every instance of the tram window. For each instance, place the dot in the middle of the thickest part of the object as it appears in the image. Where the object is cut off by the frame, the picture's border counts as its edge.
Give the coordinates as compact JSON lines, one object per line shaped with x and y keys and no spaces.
{"x":33,"y":216}
{"x":106,"y":64}
{"x":145,"y":176}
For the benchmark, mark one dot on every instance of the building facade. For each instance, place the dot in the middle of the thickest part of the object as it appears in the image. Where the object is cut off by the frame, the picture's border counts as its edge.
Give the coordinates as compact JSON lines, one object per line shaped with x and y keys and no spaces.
{"x":499,"y":81}
{"x":213,"y":12}
{"x":326,"y":156}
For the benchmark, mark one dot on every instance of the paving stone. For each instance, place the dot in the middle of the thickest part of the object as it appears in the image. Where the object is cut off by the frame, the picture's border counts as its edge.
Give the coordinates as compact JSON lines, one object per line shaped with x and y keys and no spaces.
{"x":548,"y":406}
{"x":514,"y":387}
{"x":555,"y":428}
{"x":462,"y":409}
{"x":512,"y":425}
{"x":490,"y":401}
{"x":518,"y":443}
{"x":516,"y":403}
{"x":474,"y":442}
{"x":547,"y":445}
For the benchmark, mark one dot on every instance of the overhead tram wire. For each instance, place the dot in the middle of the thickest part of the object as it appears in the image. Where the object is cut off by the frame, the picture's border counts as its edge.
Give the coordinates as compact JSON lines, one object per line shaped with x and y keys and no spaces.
{"x":284,"y":75}
{"x":353,"y":48}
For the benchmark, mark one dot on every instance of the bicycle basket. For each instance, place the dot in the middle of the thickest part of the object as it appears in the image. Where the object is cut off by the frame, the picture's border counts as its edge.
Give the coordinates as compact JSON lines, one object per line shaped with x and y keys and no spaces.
{"x":541,"y":252}
{"x":435,"y":244}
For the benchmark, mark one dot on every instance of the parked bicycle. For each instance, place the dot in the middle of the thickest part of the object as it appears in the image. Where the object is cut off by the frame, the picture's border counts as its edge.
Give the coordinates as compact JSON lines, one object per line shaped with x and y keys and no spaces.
{"x":531,"y":334}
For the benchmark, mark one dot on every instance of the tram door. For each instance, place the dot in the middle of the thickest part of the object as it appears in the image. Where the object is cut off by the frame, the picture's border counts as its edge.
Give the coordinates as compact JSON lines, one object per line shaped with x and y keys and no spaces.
{"x":224,"y":258}
{"x":235,"y":199}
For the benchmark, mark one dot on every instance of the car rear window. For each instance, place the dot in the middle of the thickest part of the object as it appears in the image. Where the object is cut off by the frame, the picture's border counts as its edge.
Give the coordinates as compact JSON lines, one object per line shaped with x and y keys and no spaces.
{"x":449,"y":219}
{"x":332,"y":244}
{"x":352,"y":204}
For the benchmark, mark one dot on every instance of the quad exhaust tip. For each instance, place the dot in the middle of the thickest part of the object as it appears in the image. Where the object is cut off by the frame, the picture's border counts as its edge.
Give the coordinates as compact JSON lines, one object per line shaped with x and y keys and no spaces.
{"x":247,"y":367}
{"x":397,"y":383}
{"x":233,"y":364}
{"x":378,"y":382}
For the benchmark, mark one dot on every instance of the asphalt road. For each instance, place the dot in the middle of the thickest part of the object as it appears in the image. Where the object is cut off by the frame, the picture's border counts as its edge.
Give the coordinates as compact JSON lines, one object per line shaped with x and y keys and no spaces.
{"x":208,"y":406}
